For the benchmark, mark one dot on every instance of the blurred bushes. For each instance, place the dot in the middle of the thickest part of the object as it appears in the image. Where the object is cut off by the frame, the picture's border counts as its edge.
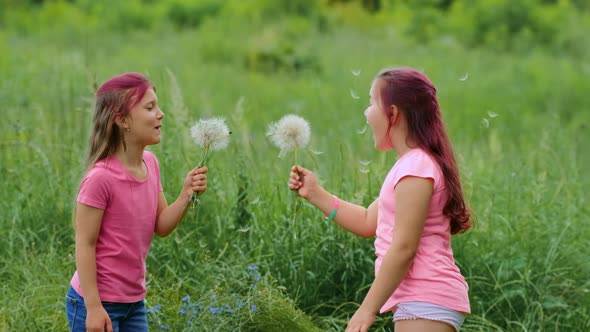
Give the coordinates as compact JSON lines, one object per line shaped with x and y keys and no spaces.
{"x":504,"y":25}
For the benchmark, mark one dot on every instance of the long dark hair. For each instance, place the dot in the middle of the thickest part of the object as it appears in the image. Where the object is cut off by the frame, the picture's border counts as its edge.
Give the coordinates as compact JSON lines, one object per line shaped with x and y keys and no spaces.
{"x":415,"y":96}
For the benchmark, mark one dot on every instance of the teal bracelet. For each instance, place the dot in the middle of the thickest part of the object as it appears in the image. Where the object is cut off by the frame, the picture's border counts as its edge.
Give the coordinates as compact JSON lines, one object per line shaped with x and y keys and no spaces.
{"x":333,"y":214}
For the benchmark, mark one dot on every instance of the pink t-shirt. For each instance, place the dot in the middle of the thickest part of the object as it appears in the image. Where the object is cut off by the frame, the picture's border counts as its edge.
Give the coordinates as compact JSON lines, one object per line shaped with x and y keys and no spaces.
{"x":130,"y":207}
{"x":433,"y":276}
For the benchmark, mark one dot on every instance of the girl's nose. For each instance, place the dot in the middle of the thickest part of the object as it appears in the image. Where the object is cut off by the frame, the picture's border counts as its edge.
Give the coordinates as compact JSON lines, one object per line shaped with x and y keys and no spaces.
{"x":160,"y":114}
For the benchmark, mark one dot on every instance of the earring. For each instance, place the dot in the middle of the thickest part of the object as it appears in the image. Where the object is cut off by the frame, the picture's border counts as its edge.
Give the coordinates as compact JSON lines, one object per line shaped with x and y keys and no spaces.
{"x":127,"y":129}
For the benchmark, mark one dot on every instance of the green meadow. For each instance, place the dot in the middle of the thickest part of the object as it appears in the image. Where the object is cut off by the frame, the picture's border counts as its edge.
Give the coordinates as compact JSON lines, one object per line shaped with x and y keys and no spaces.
{"x":517,"y":113}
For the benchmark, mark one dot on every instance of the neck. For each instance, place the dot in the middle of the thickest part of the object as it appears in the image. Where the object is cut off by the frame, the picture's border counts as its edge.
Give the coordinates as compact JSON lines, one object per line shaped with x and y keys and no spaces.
{"x":402,"y":143}
{"x":130,"y":157}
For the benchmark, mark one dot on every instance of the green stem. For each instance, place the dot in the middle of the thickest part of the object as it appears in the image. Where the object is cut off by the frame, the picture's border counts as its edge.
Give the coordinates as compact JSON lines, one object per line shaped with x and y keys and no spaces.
{"x":193,"y":199}
{"x":296,"y":201}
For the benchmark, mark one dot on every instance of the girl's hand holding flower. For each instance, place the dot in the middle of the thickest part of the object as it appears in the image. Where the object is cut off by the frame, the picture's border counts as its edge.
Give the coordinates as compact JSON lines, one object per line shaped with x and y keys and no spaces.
{"x":195,"y":181}
{"x":304,"y":181}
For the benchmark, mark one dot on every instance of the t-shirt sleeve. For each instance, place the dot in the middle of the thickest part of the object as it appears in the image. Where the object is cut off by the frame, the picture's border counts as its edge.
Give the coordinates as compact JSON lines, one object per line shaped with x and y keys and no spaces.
{"x":417,"y":165}
{"x":94,"y":189}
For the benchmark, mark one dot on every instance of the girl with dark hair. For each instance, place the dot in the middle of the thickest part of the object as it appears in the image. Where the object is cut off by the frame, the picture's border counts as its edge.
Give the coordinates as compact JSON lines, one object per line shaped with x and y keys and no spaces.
{"x":419,"y":207}
{"x":120,"y":205}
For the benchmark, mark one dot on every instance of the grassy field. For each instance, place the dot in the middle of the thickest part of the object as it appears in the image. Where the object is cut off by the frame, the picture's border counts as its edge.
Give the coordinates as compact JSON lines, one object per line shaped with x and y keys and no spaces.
{"x":519,"y":124}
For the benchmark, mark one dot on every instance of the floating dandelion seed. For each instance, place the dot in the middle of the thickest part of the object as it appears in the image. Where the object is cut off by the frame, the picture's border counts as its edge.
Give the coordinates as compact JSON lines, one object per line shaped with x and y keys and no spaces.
{"x":353,"y":94}
{"x":202,"y":244}
{"x":364,"y":170}
{"x":356,"y":72}
{"x":363,"y":130}
{"x":465,"y":77}
{"x":316,"y":152}
{"x":485,"y":123}
{"x":243,"y":229}
{"x":365,"y":162}
{"x":492,"y":114}
{"x":290,"y":133}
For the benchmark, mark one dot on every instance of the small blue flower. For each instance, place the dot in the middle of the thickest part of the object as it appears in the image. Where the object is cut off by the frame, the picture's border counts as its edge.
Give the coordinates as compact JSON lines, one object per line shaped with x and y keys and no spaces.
{"x":216,"y":310}
{"x":234,"y":294}
{"x":213,"y":297}
{"x":253,"y":308}
{"x":252,"y":267}
{"x":240,"y":303}
{"x":157,"y":307}
{"x":186,"y":298}
{"x":164,"y":327}
{"x":182,"y":311}
{"x":195,"y":305}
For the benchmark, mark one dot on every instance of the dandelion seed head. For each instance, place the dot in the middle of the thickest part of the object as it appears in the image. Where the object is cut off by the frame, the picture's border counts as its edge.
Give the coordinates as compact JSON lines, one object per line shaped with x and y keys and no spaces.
{"x":212,"y":133}
{"x":492,"y":114}
{"x":289,"y":133}
{"x":464,"y":77}
{"x":353,"y":94}
{"x":356,"y":72}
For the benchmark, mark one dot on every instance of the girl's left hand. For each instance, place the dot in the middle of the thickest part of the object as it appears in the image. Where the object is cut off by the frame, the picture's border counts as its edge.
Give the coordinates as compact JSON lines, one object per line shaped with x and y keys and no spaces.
{"x":361,"y":321}
{"x":195,"y":181}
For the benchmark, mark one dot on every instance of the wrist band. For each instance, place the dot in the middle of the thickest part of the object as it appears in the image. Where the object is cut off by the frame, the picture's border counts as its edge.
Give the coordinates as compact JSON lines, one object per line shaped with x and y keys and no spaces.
{"x":333,"y":214}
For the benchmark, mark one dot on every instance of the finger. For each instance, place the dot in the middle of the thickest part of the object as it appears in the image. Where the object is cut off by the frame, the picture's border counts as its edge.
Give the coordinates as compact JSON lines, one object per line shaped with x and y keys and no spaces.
{"x":294,"y":175}
{"x":199,"y":184}
{"x":202,"y":170}
{"x":302,"y":171}
{"x":109,"y":325}
{"x":199,"y":177}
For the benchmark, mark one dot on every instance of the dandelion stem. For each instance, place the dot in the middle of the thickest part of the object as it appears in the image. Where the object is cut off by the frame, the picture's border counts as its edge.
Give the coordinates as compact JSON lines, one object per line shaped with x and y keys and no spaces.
{"x":296,"y":200}
{"x":193,"y":199}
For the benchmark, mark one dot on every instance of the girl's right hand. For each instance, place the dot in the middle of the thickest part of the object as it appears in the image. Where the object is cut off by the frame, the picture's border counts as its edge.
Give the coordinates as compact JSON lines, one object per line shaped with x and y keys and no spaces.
{"x":97,"y":320}
{"x":303,"y":180}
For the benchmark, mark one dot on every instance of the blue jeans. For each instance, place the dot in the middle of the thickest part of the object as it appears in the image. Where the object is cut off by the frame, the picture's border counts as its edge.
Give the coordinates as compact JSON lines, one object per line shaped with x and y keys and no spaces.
{"x":124,"y":316}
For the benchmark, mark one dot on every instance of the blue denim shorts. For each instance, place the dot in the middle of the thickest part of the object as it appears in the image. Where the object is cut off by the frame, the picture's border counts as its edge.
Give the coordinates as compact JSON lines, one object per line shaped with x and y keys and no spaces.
{"x":425,"y":310}
{"x":125,"y":317}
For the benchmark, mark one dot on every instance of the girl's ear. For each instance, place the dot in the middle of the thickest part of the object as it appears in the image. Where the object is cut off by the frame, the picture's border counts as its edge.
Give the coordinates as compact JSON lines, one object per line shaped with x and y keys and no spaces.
{"x":121,"y":121}
{"x":395,"y":115}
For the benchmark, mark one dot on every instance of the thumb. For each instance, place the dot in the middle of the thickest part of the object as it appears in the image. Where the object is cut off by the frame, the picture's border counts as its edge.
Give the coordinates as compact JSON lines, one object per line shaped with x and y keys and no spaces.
{"x":301,"y":170}
{"x":109,"y":325}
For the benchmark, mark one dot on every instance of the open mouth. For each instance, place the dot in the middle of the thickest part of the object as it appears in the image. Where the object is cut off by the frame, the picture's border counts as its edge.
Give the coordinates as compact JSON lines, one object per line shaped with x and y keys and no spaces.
{"x":158,"y":127}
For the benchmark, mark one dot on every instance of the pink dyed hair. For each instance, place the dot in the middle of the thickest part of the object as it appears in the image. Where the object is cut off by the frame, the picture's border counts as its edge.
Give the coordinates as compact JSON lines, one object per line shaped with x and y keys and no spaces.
{"x":415,"y":96}
{"x":133,"y":86}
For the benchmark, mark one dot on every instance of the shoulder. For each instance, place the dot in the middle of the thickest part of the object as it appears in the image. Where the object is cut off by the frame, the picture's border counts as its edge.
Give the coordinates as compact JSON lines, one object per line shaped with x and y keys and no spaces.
{"x":99,"y":172}
{"x":149,"y":156}
{"x":417,"y":163}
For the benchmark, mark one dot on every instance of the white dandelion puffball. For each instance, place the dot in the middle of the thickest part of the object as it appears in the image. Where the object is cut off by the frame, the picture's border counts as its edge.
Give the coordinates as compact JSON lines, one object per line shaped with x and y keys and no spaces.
{"x":211,"y":133}
{"x":290,"y":132}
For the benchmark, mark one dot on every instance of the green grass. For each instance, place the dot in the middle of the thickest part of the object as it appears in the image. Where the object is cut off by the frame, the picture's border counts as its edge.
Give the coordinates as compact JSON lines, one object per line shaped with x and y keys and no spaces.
{"x":523,"y":174}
